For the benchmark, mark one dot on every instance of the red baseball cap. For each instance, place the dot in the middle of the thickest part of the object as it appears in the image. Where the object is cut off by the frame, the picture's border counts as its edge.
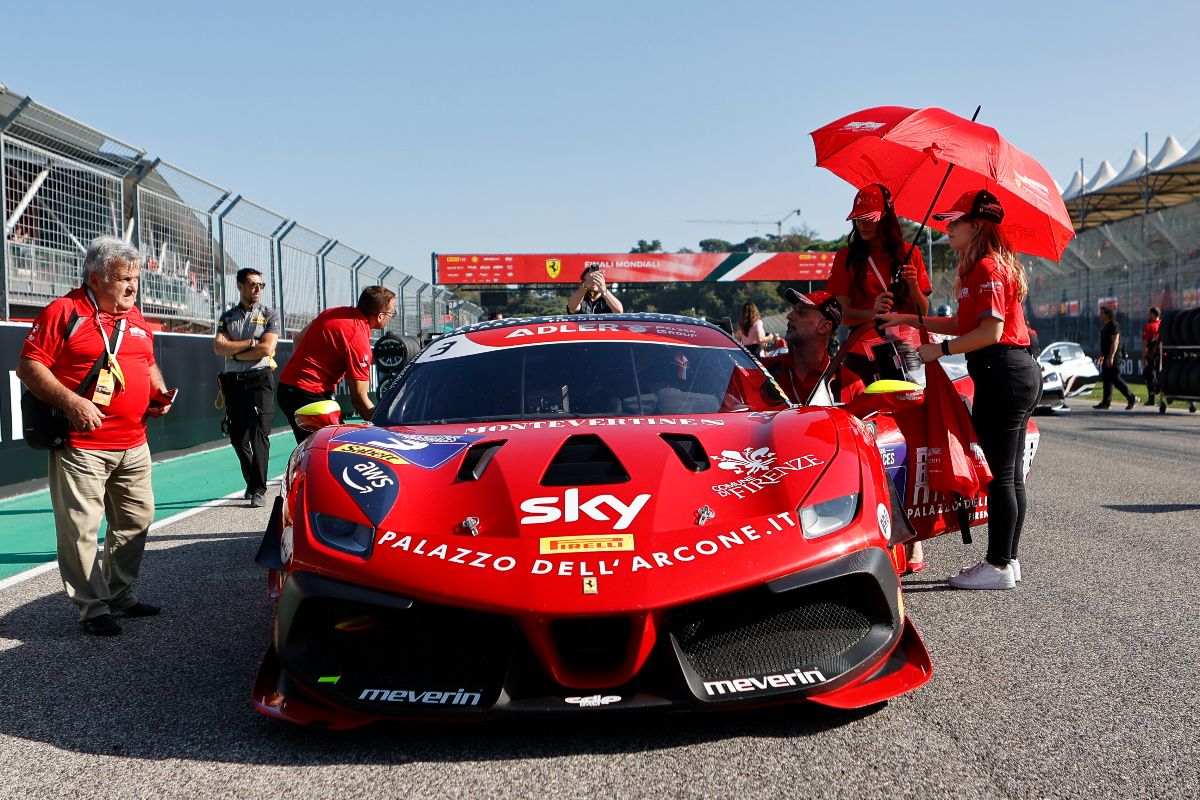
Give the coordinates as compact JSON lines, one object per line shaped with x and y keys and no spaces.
{"x":869,"y":204}
{"x":980,"y":204}
{"x":821,"y":300}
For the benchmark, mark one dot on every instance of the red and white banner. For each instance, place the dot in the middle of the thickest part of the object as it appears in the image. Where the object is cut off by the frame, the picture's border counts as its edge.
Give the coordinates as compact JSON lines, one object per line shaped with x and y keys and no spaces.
{"x":566,"y":268}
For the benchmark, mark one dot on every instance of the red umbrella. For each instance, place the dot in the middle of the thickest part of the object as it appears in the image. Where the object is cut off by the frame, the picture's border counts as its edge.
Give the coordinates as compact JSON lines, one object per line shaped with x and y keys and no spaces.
{"x":909,"y":150}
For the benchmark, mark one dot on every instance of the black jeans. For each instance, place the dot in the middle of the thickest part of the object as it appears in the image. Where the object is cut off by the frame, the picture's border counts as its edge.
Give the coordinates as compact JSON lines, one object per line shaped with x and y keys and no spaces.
{"x":1008,"y":384}
{"x":292,"y":398}
{"x":1150,"y":373}
{"x":250,"y":407}
{"x":1112,"y":377}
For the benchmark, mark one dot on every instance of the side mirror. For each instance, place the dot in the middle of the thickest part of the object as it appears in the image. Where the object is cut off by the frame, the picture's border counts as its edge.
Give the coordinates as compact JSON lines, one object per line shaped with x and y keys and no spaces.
{"x":320,"y":414}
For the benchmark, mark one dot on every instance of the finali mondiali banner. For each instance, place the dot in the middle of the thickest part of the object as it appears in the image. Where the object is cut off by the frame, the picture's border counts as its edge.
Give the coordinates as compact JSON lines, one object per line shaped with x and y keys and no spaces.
{"x":566,"y":268}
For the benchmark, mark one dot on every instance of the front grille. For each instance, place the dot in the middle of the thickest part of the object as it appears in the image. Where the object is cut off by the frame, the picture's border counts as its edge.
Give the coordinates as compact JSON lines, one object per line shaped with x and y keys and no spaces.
{"x":425,"y":648}
{"x":595,"y":643}
{"x":761,"y":633}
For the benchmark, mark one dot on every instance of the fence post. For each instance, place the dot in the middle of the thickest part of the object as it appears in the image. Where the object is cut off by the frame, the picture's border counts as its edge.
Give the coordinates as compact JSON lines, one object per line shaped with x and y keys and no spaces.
{"x":403,"y":307}
{"x":354,"y":269}
{"x":322,"y":289}
{"x":276,"y":239}
{"x":221,"y":244}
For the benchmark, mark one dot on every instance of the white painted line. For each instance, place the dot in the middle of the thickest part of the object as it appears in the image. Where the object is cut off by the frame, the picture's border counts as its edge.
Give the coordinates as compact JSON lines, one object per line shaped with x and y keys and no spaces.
{"x":42,"y":569}
{"x":161,"y":461}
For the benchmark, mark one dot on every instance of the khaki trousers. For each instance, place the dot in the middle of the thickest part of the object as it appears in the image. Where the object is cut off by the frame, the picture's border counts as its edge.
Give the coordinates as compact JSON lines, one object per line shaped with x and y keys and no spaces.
{"x":86,"y":486}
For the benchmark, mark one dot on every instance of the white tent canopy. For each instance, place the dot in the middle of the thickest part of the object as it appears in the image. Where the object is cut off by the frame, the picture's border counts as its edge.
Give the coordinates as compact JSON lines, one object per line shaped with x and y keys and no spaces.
{"x":1169,"y":179}
{"x":1171,"y":152}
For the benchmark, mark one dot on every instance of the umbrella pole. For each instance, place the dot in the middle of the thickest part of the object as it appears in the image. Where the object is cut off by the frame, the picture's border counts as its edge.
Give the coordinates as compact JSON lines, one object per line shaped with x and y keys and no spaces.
{"x":913,"y":244}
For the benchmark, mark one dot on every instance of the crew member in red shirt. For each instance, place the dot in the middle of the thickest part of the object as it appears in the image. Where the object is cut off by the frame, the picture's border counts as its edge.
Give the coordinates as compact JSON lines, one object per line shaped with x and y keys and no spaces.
{"x":335,"y":344}
{"x":861,"y":277}
{"x":1151,"y":353}
{"x":91,"y":355}
{"x":811,"y":323}
{"x":991,"y":330}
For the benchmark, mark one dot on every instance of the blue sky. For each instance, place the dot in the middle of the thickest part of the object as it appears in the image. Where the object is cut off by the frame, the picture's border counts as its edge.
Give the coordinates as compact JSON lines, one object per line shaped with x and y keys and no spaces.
{"x":404,"y":128}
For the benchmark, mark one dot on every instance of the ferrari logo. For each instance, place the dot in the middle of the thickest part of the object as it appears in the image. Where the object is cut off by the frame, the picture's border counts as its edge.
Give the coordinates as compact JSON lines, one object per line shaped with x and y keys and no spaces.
{"x":591,"y":586}
{"x":553,"y":267}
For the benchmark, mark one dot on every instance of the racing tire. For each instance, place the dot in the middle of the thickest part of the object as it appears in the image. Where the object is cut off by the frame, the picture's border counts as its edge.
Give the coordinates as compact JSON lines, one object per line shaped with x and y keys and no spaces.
{"x":1170,"y":327}
{"x":1193,"y":331}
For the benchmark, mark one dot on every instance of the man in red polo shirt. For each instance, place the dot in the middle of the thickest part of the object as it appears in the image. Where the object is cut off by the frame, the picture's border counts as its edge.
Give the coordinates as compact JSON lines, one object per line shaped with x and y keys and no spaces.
{"x":813,"y":319}
{"x":91,"y":355}
{"x":337,"y":343}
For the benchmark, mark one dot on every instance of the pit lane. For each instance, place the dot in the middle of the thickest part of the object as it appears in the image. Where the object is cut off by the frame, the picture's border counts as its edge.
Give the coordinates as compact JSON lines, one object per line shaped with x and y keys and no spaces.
{"x":1082,"y":683}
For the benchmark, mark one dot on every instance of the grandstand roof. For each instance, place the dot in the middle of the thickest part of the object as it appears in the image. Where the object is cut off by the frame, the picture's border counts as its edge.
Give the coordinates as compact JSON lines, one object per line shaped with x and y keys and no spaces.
{"x":44,"y":127}
{"x":1170,"y":178}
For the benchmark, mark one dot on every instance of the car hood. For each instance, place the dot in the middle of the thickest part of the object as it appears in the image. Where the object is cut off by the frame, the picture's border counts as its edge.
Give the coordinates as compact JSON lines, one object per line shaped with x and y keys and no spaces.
{"x":563,"y":514}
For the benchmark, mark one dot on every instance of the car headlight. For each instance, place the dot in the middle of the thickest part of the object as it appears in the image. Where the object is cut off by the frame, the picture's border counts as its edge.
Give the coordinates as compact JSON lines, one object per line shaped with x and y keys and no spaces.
{"x":822,"y":519}
{"x":342,"y":534}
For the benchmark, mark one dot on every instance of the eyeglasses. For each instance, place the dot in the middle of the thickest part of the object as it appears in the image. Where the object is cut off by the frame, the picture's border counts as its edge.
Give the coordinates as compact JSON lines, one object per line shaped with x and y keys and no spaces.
{"x":389,"y":314}
{"x":252,"y":285}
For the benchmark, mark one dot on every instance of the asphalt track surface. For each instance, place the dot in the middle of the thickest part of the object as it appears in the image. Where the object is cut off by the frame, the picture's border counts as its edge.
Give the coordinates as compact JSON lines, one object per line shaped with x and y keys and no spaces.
{"x":1081,"y":683}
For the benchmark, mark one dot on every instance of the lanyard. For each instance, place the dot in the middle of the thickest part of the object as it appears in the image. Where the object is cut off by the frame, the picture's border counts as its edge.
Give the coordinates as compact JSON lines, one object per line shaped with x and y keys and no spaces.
{"x":111,"y":354}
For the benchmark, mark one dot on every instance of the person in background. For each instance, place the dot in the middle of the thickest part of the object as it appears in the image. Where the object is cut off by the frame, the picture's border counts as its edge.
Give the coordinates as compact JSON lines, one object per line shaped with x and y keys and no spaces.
{"x":751,"y":333}
{"x":1151,"y":352}
{"x":861,"y":277}
{"x":593,"y":295}
{"x":991,"y":331}
{"x":91,"y":354}
{"x":1110,"y":366}
{"x":335,"y":344}
{"x":246,"y":337}
{"x":811,"y":323}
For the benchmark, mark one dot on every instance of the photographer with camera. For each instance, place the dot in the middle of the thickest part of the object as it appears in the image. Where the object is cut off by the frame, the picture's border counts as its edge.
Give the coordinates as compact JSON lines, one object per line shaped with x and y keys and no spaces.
{"x":593,"y":296}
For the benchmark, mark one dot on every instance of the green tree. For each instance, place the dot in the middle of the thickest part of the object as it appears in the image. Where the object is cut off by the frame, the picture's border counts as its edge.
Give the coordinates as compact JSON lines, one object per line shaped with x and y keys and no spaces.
{"x":647,"y":247}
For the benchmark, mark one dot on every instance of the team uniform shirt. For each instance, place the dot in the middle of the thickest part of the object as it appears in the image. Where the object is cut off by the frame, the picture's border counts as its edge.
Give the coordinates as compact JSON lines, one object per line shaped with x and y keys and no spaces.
{"x":337,"y":343}
{"x":1150,"y":339}
{"x":986,"y":294}
{"x":70,"y":359}
{"x":1108,"y":337}
{"x":844,"y":386}
{"x":875,"y":280}
{"x":238,"y":323}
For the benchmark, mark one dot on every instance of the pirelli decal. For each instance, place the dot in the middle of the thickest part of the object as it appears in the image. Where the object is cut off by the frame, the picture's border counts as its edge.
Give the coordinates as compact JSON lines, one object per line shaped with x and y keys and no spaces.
{"x":370,"y":452}
{"x":551,"y":545}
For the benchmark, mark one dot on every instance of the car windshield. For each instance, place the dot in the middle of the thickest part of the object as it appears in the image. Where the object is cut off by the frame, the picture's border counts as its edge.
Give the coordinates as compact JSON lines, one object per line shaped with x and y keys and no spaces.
{"x":579,"y":379}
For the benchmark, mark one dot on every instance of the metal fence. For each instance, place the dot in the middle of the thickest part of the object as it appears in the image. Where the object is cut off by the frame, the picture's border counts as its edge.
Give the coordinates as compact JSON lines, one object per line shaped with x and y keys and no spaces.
{"x":62,"y":183}
{"x":1150,"y":260}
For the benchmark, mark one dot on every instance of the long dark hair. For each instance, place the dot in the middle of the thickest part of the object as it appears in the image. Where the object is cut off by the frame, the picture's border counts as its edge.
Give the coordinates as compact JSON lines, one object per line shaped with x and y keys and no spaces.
{"x":750,"y":315}
{"x":859,"y":250}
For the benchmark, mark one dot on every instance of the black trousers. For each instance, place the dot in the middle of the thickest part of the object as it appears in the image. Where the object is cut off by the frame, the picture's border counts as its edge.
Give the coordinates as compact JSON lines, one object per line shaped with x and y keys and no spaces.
{"x":1150,"y":373}
{"x":249,"y":409}
{"x":292,"y":398}
{"x":1008,"y":384}
{"x":1112,"y":377}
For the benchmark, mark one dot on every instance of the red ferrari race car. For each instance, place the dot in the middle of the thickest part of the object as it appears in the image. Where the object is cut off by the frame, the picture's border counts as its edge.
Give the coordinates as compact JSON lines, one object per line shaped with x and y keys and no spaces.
{"x":604,"y":513}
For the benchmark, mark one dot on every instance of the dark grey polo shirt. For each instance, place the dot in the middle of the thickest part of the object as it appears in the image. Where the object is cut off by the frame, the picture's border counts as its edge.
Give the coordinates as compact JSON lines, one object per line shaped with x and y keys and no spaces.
{"x":238,"y":323}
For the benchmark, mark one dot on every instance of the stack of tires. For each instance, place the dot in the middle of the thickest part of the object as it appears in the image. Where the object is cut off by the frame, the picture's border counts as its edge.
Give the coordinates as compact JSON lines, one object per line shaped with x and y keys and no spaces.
{"x":391,"y":353}
{"x":1180,"y":375}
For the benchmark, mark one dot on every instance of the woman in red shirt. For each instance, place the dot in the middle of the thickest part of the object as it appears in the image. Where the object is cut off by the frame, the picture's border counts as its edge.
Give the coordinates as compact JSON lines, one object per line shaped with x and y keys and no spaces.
{"x":991,"y":330}
{"x":861,"y":277}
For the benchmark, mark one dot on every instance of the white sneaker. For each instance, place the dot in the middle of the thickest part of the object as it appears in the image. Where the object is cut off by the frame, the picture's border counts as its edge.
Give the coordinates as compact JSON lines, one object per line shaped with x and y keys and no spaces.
{"x":1016,"y":568}
{"x":984,"y":576}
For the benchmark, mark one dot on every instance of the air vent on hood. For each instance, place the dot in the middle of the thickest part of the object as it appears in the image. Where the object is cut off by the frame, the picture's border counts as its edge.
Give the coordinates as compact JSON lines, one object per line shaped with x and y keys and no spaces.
{"x":477,"y":459}
{"x":689,"y":450}
{"x":584,"y":460}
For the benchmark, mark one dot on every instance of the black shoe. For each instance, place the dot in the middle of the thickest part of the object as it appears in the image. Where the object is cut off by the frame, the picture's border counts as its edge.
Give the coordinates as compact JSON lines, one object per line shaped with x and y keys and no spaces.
{"x":1133,"y":401}
{"x":140,"y":610}
{"x":247,"y":495}
{"x":1101,"y":406}
{"x":258,"y":500}
{"x":103,"y":625}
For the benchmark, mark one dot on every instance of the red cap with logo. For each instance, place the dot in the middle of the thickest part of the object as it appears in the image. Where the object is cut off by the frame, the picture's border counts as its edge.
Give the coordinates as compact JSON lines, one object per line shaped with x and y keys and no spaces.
{"x":980,"y":204}
{"x":821,"y":300}
{"x":870,"y":204}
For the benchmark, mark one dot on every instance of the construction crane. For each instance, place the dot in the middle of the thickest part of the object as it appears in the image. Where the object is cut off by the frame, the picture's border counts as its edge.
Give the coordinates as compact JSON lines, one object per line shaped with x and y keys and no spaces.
{"x":778,"y":223}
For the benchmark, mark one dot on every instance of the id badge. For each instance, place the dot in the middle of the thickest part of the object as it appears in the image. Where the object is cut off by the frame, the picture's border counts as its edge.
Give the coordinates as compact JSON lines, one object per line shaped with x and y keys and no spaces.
{"x":105,"y":385}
